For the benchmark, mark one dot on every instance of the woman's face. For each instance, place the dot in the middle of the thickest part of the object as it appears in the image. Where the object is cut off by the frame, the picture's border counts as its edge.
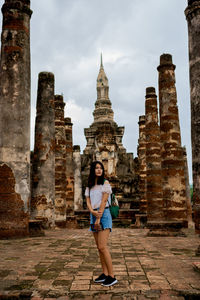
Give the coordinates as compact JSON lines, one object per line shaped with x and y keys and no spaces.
{"x":98,"y":170}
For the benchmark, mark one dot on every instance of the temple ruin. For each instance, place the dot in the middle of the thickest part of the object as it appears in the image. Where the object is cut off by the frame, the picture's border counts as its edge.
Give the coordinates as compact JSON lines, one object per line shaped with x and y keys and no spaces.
{"x":152,"y":189}
{"x":104,"y":143}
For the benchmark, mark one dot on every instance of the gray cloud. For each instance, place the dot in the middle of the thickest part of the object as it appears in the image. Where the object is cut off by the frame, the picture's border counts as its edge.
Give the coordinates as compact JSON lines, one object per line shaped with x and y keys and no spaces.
{"x":67,"y":37}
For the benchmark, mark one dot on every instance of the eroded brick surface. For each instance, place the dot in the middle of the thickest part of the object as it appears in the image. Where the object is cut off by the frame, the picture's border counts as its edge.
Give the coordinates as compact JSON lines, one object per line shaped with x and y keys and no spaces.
{"x":13,"y":219}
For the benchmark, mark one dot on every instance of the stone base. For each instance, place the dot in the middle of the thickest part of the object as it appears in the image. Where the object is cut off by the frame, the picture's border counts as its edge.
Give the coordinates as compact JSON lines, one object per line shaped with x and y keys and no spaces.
{"x":60,"y":224}
{"x":13,"y":233}
{"x":198,"y":254}
{"x":82,"y":218}
{"x":36,"y":228}
{"x":140,"y":221}
{"x":165,"y":228}
{"x":71,"y":222}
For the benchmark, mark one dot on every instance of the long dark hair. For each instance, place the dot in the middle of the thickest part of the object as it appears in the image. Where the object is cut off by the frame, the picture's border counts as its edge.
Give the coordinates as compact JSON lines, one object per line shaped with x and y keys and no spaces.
{"x":92,"y":176}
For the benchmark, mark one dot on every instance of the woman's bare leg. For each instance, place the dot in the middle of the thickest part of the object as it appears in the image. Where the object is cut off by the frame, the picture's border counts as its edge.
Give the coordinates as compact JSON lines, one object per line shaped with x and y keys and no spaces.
{"x":103,"y":263}
{"x":103,"y":249}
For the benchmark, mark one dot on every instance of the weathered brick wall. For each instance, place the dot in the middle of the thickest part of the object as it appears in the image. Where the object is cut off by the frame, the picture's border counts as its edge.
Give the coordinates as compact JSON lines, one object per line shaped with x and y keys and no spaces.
{"x":69,"y":168}
{"x":154,"y":192}
{"x":60,"y":163}
{"x":141,"y":151}
{"x":192,"y":13}
{"x":188,"y":196}
{"x":15,"y":118}
{"x":78,"y":199}
{"x":174,"y":188}
{"x":43,"y":160}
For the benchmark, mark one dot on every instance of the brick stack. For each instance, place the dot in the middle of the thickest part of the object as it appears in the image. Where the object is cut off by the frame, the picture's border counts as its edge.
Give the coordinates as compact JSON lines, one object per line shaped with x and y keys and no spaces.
{"x":69,"y":168}
{"x":153,"y":160}
{"x":43,"y":161}
{"x":173,"y":177}
{"x":60,"y":163}
{"x":141,"y":151}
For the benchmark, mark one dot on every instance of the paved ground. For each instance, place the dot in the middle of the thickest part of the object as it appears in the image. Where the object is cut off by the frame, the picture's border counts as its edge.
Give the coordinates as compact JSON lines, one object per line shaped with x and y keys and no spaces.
{"x":63,"y":264}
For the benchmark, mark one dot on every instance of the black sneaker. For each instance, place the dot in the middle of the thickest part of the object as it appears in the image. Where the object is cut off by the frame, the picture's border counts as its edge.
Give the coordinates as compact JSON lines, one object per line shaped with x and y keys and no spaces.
{"x":101,"y":278}
{"x":109,"y":281}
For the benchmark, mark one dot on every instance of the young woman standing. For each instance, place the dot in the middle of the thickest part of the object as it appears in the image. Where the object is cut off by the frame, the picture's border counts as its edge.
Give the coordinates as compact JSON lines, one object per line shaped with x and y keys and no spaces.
{"x":98,"y":196}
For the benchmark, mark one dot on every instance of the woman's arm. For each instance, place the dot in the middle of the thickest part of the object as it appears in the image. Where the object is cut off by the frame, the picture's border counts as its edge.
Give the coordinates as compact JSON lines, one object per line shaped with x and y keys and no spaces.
{"x":95,"y":213}
{"x":103,"y":202}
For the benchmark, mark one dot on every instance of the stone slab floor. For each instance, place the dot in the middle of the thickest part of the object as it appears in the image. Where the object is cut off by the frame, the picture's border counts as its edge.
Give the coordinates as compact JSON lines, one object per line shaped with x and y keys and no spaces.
{"x":64,"y":263}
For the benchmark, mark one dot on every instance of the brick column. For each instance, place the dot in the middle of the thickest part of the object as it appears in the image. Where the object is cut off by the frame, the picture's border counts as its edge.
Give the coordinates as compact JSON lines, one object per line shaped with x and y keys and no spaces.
{"x":153,"y":160}
{"x":43,"y":161}
{"x":15,"y":118}
{"x":188,"y":197}
{"x":60,"y":163}
{"x":142,"y":164}
{"x":192,"y":13}
{"x":174,"y":188}
{"x":78,"y":198}
{"x":69,"y":168}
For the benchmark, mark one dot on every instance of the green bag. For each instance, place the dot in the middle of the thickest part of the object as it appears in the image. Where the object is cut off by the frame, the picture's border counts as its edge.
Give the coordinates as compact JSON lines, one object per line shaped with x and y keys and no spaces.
{"x":114,"y":207}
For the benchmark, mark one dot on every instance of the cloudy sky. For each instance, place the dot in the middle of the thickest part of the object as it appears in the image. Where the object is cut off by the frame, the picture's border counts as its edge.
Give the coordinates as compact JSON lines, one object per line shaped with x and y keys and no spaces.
{"x":67,"y":37}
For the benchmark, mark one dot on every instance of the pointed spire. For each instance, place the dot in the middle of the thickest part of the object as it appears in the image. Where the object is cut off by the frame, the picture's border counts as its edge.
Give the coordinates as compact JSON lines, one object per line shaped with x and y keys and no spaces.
{"x":102,"y":80}
{"x":101,"y":61}
{"x":103,"y":110}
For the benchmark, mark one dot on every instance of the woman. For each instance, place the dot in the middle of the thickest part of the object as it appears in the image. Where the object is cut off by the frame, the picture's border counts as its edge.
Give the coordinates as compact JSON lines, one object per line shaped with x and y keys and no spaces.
{"x":97,"y":196}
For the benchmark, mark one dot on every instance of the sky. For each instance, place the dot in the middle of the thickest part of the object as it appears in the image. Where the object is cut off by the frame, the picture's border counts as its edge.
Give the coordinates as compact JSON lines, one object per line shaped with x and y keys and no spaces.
{"x":68,"y":37}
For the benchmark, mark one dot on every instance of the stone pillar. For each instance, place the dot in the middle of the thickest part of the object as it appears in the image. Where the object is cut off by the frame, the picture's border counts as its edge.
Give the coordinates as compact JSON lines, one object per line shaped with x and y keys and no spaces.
{"x":192,"y":13}
{"x":188,"y":197}
{"x":15,"y":118}
{"x":78,"y":198}
{"x":69,"y":168}
{"x":43,"y":161}
{"x":153,"y":160}
{"x":60,"y":163}
{"x":174,"y":188}
{"x":142,"y":165}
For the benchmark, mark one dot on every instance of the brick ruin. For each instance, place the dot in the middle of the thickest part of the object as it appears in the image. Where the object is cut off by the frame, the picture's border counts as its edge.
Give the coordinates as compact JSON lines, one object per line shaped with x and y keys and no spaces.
{"x":153,"y":160}
{"x":163,"y":169}
{"x":43,"y":157}
{"x":15,"y":118}
{"x":192,"y":13}
{"x":152,"y":189}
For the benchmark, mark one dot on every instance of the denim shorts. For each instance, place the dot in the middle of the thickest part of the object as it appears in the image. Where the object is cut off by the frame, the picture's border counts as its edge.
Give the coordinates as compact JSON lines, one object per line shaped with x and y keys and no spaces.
{"x":106,"y":220}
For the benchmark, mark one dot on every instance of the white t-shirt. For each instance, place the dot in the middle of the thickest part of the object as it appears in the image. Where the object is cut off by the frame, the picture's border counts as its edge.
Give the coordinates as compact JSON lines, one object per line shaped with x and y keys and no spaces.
{"x":96,"y":194}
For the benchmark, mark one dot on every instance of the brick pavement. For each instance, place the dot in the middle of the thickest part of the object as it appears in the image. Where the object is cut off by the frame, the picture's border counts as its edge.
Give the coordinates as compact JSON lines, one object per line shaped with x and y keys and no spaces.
{"x":64,"y":263}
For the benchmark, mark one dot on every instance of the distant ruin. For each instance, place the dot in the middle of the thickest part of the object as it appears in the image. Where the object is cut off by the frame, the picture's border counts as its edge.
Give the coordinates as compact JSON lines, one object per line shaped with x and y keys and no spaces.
{"x":46,"y":187}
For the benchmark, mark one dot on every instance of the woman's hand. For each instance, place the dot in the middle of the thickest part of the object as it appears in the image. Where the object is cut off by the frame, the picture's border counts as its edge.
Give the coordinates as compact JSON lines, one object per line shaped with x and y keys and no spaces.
{"x":97,"y":214}
{"x":97,"y":225}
